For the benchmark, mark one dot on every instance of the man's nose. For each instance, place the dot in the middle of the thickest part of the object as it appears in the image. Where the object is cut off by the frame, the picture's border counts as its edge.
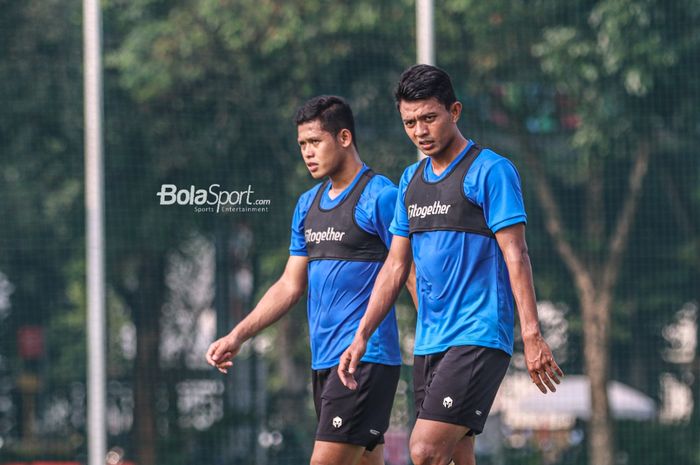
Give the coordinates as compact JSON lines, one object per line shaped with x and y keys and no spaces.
{"x":421,"y":129}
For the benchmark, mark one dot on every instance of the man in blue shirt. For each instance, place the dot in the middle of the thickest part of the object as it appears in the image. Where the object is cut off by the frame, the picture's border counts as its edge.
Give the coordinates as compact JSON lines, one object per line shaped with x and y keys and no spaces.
{"x":340,"y":238}
{"x":460,"y":216}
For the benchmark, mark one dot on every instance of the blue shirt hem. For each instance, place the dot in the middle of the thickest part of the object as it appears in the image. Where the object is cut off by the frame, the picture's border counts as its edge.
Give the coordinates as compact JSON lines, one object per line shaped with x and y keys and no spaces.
{"x":398,"y":232}
{"x":443,"y":347}
{"x":509,"y":222}
{"x":382,"y":361}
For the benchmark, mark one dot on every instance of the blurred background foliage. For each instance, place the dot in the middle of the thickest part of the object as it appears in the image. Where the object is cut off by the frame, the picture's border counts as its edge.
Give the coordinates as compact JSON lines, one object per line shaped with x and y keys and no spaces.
{"x":596,"y":102}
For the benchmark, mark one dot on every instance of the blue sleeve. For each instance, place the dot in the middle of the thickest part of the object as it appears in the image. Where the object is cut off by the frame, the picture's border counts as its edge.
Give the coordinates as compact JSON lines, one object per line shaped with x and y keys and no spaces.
{"x":376,"y":208}
{"x":384,"y":213}
{"x":399,"y":225}
{"x":500,"y":195}
{"x":297,"y":244}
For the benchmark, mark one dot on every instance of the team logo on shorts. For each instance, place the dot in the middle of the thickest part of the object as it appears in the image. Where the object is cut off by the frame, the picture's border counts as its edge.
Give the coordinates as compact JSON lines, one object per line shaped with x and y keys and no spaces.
{"x":447,"y":402}
{"x":337,"y":422}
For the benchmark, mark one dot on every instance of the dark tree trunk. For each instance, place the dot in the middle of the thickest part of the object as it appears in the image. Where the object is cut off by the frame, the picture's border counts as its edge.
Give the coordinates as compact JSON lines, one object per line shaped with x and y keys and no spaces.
{"x":596,"y":323}
{"x":595,"y":271}
{"x":148,"y":300}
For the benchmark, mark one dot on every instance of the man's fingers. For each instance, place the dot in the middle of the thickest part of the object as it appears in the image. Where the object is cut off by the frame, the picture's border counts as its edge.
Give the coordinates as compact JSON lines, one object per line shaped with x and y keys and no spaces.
{"x":354,"y":360}
{"x":343,"y":378}
{"x":223,"y":367}
{"x":548,"y":382}
{"x":545,"y":379}
{"x":538,"y":382}
{"x":551,"y":374}
{"x":347,"y":379}
{"x":219,"y":356}
{"x":348,"y":364}
{"x":540,"y":386}
{"x":213,"y":353}
{"x":344,"y":362}
{"x":352,"y":366}
{"x":346,"y":369}
{"x":557,"y":370}
{"x":210,"y":354}
{"x":221,"y":353}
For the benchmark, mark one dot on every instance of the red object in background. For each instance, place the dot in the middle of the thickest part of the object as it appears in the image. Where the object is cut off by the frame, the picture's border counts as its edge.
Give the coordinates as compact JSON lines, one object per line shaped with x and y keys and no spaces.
{"x":566,"y":108}
{"x":396,"y":447}
{"x":50,"y":462}
{"x":30,"y":340}
{"x":43,"y":462}
{"x":47,"y":462}
{"x":570,"y":121}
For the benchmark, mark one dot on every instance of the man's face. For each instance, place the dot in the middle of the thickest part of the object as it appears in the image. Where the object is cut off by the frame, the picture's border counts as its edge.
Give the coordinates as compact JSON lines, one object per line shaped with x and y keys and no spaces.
{"x":320,"y":151}
{"x":430,"y":126}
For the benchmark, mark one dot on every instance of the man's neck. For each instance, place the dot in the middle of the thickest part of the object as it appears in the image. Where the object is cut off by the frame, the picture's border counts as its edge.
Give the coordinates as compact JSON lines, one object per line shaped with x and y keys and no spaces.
{"x":341,"y":179}
{"x":441,"y":161}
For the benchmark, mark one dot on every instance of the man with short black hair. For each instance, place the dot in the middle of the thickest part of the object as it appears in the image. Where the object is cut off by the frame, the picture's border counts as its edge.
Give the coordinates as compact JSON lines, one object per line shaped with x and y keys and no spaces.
{"x":460,"y":216}
{"x":340,"y":236}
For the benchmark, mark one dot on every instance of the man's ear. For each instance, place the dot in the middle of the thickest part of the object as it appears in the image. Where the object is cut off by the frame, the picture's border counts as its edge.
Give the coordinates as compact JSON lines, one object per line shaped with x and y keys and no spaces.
{"x":344,"y":138}
{"x":456,"y":111}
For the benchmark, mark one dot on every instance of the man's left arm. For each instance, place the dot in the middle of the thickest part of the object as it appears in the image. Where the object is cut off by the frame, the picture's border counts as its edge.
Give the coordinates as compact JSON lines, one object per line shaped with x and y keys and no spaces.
{"x":383,"y":215}
{"x":543,"y":370}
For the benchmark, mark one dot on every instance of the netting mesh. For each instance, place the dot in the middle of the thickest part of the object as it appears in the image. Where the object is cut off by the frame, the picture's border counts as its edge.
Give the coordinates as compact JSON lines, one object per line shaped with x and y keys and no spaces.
{"x":596,"y":103}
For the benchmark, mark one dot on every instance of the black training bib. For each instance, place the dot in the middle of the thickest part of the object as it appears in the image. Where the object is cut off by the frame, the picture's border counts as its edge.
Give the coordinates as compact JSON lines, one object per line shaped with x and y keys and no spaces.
{"x":334,"y":234}
{"x":442,"y":205}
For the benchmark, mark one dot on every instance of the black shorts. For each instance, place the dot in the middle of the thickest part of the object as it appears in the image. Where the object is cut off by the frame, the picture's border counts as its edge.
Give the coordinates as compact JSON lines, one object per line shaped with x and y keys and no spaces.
{"x":358,"y":417}
{"x":458,"y":385}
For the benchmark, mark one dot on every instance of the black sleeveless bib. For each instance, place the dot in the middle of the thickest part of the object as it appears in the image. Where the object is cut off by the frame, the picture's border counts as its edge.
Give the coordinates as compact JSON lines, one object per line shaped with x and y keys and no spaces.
{"x":442,"y":205}
{"x":335,"y":235}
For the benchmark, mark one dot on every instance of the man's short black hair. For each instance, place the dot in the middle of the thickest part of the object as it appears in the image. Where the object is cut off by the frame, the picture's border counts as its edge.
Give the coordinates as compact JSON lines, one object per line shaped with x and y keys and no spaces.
{"x":420,"y":82}
{"x":333,"y":112}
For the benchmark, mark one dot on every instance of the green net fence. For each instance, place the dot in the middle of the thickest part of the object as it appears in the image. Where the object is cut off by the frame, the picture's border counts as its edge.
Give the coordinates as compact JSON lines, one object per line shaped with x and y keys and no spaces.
{"x":596,"y":103}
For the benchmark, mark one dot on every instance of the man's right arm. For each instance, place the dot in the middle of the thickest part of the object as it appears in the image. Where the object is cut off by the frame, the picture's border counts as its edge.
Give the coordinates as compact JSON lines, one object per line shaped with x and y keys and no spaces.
{"x":389,"y":281}
{"x":384,"y":212}
{"x":276,"y":302}
{"x":411,"y":286}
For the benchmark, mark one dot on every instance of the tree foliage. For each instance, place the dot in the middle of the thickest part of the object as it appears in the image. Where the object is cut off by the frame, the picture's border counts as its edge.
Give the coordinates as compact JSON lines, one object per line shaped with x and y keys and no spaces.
{"x":203,"y":92}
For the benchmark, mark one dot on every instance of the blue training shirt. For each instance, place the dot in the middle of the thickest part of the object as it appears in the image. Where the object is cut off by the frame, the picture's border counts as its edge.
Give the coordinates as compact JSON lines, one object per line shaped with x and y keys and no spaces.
{"x":464,"y":294}
{"x":339,"y":290}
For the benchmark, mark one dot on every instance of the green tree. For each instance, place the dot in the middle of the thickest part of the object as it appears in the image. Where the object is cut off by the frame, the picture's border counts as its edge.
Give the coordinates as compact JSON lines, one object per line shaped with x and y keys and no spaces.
{"x":616,"y":65}
{"x":41,"y":238}
{"x":215,"y":104}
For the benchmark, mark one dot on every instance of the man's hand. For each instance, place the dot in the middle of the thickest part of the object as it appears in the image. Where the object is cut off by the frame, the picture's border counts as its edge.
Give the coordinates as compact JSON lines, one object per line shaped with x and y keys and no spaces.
{"x":543,"y":370}
{"x":348,"y":363}
{"x":221,"y":352}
